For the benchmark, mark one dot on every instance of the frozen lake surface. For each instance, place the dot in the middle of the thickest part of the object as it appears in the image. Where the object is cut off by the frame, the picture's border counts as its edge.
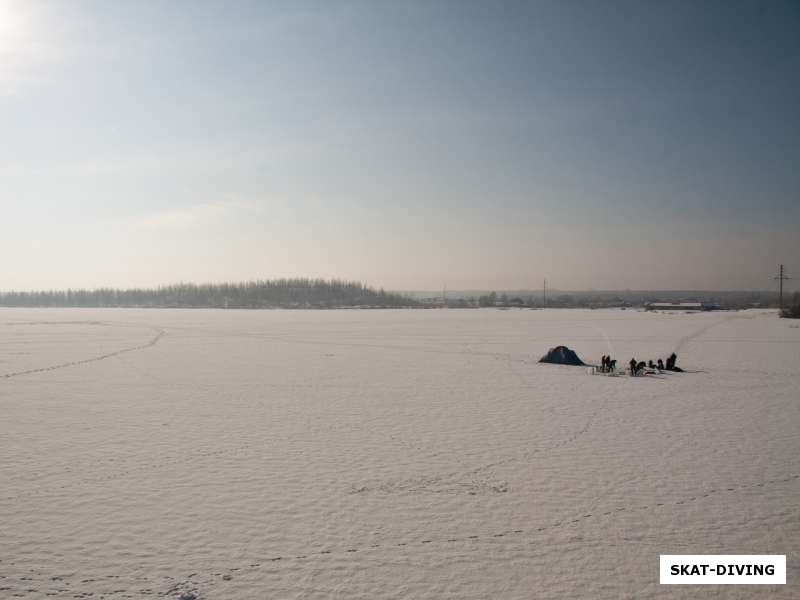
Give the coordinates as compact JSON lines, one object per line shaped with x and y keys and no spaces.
{"x":387,"y":454}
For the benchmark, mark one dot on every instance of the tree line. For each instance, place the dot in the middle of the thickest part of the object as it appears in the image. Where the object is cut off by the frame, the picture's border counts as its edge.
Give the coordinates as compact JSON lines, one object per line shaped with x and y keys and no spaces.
{"x":272,"y":293}
{"x":793,"y":310}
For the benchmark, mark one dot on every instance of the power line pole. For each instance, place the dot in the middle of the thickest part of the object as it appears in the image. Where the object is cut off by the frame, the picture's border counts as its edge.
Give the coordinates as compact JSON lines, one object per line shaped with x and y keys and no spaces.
{"x":544,"y":294}
{"x":781,"y":278}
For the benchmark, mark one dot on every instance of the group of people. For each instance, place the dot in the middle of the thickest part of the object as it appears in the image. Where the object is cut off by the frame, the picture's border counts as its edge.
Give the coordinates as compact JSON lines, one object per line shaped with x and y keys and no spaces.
{"x":638,"y":368}
{"x":609,"y":365}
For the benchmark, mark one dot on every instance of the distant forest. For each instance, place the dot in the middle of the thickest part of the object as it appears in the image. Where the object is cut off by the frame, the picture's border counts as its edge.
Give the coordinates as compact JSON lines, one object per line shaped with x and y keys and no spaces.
{"x":793,"y":310}
{"x":276,"y":293}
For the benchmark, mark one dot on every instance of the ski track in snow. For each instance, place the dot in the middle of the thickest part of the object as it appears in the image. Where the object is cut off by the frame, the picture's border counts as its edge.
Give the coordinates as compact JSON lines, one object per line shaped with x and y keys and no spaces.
{"x":75,"y":363}
{"x":684,"y":341}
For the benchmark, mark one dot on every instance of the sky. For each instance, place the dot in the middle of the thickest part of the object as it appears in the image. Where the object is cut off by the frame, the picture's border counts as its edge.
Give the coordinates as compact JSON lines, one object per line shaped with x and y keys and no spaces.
{"x":408,"y":145}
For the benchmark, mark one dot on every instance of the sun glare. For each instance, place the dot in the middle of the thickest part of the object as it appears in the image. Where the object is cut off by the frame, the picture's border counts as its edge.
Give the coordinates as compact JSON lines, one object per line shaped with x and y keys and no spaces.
{"x":21,"y":45}
{"x":14,"y":24}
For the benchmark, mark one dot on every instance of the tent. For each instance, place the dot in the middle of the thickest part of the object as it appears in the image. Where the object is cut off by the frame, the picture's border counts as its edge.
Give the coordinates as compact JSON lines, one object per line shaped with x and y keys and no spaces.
{"x":561,"y":355}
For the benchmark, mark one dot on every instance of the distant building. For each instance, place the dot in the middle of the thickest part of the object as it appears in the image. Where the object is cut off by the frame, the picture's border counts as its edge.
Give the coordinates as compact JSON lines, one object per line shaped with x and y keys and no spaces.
{"x":684,"y":306}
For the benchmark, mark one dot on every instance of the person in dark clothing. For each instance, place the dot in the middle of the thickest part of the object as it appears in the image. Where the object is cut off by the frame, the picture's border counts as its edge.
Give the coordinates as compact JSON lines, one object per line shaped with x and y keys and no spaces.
{"x":660,"y":365}
{"x":604,"y":362}
{"x":612,"y":364}
{"x":671,"y":359}
{"x":651,"y":364}
{"x":633,"y":366}
{"x":641,"y":367}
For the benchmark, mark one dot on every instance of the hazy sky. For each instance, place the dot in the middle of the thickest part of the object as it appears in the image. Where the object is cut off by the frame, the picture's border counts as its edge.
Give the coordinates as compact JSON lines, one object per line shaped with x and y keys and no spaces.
{"x":409,"y":145}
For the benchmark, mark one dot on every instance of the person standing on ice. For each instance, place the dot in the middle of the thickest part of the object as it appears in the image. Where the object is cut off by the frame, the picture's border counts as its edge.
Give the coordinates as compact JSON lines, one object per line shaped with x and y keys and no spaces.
{"x":633,"y":366}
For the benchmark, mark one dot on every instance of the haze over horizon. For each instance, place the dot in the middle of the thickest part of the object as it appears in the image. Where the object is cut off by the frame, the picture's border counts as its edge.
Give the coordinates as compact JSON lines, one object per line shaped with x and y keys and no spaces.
{"x":614,"y":145}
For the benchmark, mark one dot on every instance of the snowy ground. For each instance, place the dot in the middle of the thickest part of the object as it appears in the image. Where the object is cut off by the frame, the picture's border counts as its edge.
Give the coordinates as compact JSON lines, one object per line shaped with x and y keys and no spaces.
{"x":388,"y":454}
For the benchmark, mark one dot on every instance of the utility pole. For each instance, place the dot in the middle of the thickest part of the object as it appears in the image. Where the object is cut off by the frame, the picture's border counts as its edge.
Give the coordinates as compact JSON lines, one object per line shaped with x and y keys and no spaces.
{"x":781,"y":278}
{"x":544,"y":294}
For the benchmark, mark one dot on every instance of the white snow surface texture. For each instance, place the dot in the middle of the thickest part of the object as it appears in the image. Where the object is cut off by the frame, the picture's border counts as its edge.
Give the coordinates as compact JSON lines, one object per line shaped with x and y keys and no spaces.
{"x":390,"y":453}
